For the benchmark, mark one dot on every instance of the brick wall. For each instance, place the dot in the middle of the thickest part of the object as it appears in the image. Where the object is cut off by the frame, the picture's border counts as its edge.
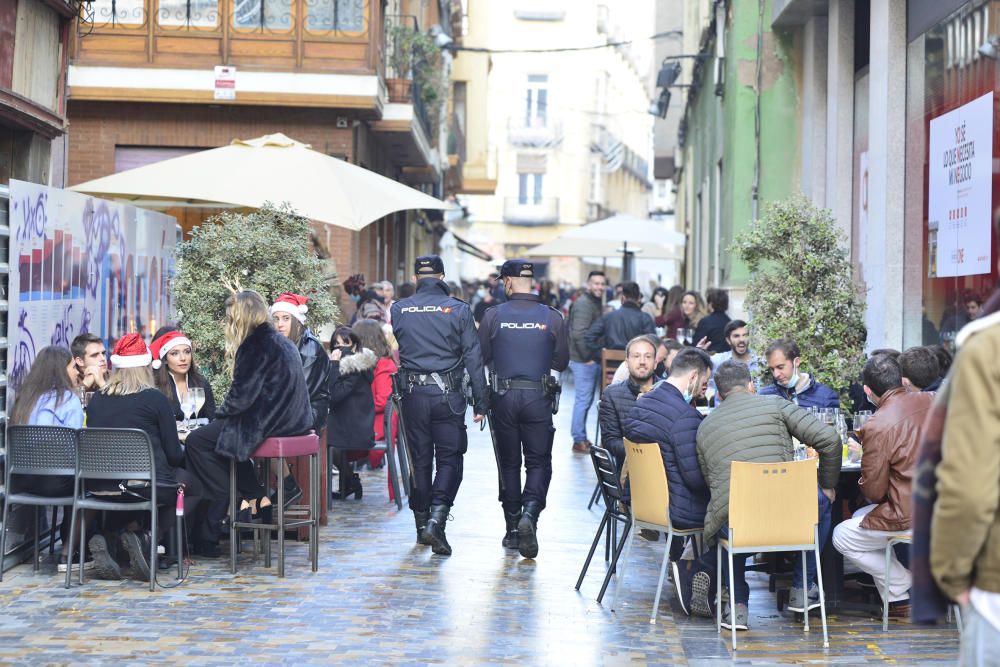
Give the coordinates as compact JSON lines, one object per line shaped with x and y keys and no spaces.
{"x":96,"y":128}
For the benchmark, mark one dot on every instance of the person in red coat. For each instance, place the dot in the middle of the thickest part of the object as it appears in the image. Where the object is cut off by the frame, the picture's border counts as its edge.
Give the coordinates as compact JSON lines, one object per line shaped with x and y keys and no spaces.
{"x":372,"y":337}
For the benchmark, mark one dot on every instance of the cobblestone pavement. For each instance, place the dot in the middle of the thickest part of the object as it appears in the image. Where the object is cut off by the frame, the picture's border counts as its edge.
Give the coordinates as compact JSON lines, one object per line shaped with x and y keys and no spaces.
{"x":379,"y":599}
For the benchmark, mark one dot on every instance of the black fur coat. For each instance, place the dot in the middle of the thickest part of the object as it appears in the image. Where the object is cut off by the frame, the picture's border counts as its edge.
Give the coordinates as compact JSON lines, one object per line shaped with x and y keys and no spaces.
{"x":268,"y":396}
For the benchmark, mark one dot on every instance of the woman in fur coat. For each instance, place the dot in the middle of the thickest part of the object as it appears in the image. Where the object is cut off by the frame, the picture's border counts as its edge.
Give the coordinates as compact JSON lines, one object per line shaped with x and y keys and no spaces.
{"x":350,"y":431}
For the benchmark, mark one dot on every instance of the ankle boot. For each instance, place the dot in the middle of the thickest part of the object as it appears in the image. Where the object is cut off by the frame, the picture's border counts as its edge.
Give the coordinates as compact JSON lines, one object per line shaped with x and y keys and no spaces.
{"x":434,"y":530}
{"x":420,"y":519}
{"x":510,"y":538}
{"x":527,"y":539}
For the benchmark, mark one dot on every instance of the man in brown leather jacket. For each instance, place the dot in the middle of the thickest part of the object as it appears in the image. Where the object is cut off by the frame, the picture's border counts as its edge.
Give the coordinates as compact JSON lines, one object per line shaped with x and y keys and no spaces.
{"x":890,"y":440}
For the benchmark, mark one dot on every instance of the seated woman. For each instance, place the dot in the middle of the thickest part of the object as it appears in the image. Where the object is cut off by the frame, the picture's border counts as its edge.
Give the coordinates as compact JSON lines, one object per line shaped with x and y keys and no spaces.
{"x":268,"y":397}
{"x":352,"y":408}
{"x":46,"y":398}
{"x":131,"y":400}
{"x":372,"y":337}
{"x":288,"y":313}
{"x":175,"y":371}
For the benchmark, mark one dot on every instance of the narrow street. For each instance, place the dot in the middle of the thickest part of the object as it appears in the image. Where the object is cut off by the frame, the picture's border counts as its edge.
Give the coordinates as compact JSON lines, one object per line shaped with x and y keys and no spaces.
{"x":379,"y":599}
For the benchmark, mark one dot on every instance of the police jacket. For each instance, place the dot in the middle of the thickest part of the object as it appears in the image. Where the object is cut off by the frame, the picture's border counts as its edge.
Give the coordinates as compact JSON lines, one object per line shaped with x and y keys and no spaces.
{"x":523,"y":338}
{"x":316,"y":366}
{"x":815,"y":395}
{"x":436,"y":333}
{"x":617,"y":328}
{"x":662,"y":416}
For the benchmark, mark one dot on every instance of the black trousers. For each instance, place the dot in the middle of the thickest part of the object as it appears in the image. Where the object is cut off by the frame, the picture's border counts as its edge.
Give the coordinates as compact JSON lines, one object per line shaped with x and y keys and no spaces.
{"x":435,"y":433}
{"x":212,"y":469}
{"x":522,"y":422}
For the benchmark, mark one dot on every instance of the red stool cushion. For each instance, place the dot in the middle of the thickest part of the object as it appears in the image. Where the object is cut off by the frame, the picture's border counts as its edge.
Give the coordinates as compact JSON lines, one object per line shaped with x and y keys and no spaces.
{"x":288,"y":446}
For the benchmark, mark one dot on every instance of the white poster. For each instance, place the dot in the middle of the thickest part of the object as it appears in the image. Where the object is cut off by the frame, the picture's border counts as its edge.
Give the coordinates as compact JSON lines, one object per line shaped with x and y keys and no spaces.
{"x":225,"y":82}
{"x":960,"y":188}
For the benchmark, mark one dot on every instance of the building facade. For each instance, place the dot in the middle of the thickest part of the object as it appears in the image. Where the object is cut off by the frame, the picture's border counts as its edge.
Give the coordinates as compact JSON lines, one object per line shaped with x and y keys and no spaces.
{"x":570,"y":136}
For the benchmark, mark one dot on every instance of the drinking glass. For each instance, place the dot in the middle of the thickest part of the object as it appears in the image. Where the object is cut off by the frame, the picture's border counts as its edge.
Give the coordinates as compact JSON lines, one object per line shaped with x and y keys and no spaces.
{"x":198,"y":393}
{"x":187,"y":407}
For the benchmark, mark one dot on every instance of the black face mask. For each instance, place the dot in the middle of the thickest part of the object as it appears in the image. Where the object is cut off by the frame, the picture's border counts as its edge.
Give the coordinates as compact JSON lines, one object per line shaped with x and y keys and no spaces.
{"x":345,"y":350}
{"x":660,"y":370}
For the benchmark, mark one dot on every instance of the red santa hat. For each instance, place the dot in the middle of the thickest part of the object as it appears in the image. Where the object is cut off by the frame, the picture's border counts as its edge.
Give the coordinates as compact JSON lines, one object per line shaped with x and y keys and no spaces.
{"x":130,"y":352}
{"x":293,"y":304}
{"x":165,"y":343}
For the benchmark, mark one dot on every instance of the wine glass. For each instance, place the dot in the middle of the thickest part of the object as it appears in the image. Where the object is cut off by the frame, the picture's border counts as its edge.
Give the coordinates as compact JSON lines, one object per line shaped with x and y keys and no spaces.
{"x":188,"y":408}
{"x":198,"y":393}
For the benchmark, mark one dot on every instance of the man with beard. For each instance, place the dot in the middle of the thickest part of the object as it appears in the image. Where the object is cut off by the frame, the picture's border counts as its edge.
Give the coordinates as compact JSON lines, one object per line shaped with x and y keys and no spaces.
{"x":665,"y":416}
{"x":586,"y":372}
{"x":618,"y":399}
{"x":738,"y":337}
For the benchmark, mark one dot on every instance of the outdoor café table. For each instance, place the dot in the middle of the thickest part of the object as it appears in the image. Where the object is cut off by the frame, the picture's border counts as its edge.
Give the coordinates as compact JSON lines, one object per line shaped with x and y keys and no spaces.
{"x":848,"y":497}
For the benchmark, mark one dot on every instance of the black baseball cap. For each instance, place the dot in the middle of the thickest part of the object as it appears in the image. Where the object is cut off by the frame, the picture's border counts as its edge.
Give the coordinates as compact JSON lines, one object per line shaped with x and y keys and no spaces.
{"x":428,"y":265}
{"x":517,"y":268}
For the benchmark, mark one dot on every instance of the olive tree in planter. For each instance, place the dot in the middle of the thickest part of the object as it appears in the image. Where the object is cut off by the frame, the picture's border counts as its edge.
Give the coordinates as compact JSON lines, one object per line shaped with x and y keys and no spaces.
{"x":802,"y":287}
{"x":268,"y":250}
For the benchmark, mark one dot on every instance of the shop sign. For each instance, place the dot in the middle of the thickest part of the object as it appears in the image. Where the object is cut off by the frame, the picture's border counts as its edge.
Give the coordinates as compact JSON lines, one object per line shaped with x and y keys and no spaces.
{"x":225,"y":83}
{"x":960,"y":188}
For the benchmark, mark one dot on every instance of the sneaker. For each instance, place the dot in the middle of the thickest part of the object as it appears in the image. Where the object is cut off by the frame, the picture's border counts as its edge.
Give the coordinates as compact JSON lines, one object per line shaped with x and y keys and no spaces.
{"x":701,"y":586}
{"x":649,"y":535}
{"x":742,"y":614}
{"x":796,"y":603}
{"x":105,"y":566}
{"x":87,"y":565}
{"x":137,"y":546}
{"x":682,"y":584}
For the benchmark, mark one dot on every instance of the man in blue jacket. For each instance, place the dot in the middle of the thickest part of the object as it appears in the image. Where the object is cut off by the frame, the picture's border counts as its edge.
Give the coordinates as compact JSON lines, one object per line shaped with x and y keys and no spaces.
{"x":783,"y":360}
{"x":665,"y":416}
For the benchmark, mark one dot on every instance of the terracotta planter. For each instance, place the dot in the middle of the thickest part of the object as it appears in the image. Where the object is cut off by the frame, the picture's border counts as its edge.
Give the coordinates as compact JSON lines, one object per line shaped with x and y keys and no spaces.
{"x":400,"y":90}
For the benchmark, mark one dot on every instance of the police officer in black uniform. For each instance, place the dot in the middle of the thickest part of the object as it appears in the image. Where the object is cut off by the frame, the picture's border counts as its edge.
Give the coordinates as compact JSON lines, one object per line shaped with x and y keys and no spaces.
{"x":437,"y":345}
{"x":522,"y":340}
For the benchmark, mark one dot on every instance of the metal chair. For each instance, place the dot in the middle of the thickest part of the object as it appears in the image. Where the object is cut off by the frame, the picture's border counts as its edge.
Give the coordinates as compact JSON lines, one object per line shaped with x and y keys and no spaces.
{"x":115,"y":454}
{"x":37,"y":450}
{"x":616,"y":511}
{"x":772,"y":507}
{"x":395,"y":461}
{"x":279,"y":448}
{"x":900,"y":539}
{"x":650,"y":499}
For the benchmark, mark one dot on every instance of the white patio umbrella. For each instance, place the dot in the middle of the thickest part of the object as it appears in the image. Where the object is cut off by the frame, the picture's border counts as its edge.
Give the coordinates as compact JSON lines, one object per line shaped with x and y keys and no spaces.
{"x":608,"y":238}
{"x":272,"y":168}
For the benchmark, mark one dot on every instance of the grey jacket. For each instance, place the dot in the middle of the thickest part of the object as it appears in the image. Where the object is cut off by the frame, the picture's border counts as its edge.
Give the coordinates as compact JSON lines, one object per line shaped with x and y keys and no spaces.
{"x":758,"y":429}
{"x":585,"y":311}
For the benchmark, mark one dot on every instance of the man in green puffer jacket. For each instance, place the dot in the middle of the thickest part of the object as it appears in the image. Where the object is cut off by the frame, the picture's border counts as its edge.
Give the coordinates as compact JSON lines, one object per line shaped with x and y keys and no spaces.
{"x":758,"y":429}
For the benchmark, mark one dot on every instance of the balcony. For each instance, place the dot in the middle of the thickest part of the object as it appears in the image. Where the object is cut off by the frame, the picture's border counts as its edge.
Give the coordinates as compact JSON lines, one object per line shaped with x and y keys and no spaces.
{"x":542,"y":211}
{"x":534,"y":132}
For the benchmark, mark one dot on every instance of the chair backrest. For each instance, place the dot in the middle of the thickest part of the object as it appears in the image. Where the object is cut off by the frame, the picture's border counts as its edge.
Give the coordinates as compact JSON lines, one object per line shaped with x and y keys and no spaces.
{"x":772,"y":504}
{"x":607,"y":478}
{"x":115,"y":453}
{"x":648,"y":483}
{"x":610,"y":361}
{"x":41,"y":450}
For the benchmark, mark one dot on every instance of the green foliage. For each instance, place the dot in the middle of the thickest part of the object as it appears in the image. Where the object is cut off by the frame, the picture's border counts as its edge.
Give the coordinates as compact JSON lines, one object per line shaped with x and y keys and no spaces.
{"x":269,"y":251}
{"x":802,"y":287}
{"x":416,"y":51}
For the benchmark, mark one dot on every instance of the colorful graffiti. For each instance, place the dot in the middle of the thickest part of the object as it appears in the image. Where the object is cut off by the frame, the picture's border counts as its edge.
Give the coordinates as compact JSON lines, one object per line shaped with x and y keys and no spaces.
{"x":79,"y":265}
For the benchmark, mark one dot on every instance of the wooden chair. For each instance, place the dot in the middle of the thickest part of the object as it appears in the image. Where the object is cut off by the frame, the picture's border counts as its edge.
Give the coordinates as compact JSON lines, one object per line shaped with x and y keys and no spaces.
{"x":772,"y":507}
{"x":610,"y":361}
{"x":650,"y":507}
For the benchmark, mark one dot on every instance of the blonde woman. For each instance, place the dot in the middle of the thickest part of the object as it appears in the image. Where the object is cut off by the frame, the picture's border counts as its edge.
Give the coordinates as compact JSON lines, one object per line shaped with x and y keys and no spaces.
{"x":268,"y":397}
{"x":130,"y":399}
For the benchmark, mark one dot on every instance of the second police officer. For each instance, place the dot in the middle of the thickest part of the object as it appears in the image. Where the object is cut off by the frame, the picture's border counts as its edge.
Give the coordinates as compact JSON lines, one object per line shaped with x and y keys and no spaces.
{"x":522,"y":340}
{"x":437,"y":345}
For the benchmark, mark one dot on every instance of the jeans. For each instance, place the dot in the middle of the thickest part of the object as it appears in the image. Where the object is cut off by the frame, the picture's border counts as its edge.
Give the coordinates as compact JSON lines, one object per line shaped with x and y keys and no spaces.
{"x":706,"y":563}
{"x":824,"y":535}
{"x":585,"y":385}
{"x":980,"y":645}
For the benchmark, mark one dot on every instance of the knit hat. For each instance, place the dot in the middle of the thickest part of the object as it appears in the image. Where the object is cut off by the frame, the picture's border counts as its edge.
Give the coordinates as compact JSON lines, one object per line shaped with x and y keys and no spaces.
{"x":293,"y":304}
{"x":130,"y":352}
{"x":165,"y":343}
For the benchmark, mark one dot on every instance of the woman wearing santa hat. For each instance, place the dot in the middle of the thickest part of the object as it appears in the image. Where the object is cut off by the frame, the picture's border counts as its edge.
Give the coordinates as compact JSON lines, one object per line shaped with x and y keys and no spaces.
{"x":288,"y":314}
{"x":175,"y":372}
{"x":131,"y":400}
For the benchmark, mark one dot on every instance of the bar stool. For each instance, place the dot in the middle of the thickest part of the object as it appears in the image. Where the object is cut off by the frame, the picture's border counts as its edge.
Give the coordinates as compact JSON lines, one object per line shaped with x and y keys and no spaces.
{"x":280,"y":448}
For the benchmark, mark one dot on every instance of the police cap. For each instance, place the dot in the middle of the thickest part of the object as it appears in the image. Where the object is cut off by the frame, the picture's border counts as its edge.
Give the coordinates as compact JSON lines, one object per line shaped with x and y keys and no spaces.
{"x":517,"y":268}
{"x":428,"y":265}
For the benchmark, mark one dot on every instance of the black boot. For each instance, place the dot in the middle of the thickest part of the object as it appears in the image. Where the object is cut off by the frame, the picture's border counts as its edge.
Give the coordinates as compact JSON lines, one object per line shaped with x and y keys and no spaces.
{"x":434,"y":530}
{"x":527,"y":539}
{"x":510,"y":539}
{"x":420,"y":519}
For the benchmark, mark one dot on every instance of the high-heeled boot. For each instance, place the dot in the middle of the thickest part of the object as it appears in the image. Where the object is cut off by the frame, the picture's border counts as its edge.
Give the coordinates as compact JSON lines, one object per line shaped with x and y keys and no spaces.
{"x":527,"y":529}
{"x":420,"y":519}
{"x":352,"y":487}
{"x":434,"y":530}
{"x":510,"y":537}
